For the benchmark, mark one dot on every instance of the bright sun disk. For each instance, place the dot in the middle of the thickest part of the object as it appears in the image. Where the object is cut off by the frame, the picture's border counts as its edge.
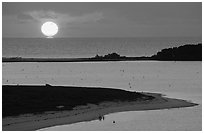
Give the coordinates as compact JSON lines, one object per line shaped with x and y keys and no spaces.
{"x":49,"y":29}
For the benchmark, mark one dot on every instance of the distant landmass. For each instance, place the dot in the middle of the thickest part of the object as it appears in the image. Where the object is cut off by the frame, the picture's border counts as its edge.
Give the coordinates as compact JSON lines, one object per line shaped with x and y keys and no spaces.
{"x":182,"y":53}
{"x":189,"y":52}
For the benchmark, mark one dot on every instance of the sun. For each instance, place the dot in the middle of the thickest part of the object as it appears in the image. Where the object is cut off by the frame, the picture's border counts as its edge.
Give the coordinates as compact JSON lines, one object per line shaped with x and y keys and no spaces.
{"x":49,"y":29}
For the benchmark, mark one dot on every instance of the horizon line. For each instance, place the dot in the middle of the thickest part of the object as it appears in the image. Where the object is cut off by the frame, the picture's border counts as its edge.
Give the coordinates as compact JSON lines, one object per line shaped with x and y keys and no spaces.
{"x":106,"y":37}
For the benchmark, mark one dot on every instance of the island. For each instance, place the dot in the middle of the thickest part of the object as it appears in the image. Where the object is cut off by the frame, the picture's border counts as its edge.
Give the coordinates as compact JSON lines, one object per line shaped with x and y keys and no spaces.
{"x":188,"y":52}
{"x":33,"y":107}
{"x":182,"y":53}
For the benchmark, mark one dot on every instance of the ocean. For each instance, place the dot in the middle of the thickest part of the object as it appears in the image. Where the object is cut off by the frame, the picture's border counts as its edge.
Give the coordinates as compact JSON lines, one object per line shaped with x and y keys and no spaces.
{"x":89,"y":47}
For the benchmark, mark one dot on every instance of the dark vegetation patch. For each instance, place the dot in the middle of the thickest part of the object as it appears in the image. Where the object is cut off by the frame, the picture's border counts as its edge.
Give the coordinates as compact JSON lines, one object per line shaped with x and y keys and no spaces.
{"x":21,"y":99}
{"x":183,"y":53}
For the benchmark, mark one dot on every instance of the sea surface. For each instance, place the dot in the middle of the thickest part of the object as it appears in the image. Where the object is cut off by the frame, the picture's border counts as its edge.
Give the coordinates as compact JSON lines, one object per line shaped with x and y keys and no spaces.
{"x":89,"y":47}
{"x":176,"y":79}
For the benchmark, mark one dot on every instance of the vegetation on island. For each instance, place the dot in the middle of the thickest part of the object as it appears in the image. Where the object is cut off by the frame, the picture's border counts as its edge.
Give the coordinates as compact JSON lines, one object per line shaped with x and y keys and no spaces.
{"x":182,"y":53}
{"x":109,"y":56}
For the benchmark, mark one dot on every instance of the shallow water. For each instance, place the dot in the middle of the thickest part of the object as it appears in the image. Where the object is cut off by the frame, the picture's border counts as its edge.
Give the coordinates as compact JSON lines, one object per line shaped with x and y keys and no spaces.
{"x":181,"y":80}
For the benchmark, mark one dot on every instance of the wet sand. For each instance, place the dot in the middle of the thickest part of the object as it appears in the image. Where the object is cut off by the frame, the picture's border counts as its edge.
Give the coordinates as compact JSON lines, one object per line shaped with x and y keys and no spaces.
{"x":89,"y":112}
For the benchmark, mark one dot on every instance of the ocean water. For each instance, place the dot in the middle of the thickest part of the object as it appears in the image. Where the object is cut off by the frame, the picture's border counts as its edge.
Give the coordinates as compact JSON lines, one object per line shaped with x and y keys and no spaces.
{"x":89,"y":47}
{"x":182,"y":80}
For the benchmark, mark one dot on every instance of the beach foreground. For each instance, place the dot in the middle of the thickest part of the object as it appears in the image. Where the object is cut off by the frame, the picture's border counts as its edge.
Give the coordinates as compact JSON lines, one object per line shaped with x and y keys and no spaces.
{"x":90,"y":111}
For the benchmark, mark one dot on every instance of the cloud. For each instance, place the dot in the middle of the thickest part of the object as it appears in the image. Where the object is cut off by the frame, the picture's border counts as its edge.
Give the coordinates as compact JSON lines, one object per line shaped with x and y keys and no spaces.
{"x":60,"y":17}
{"x":23,"y":16}
{"x":92,"y":17}
{"x":43,"y":14}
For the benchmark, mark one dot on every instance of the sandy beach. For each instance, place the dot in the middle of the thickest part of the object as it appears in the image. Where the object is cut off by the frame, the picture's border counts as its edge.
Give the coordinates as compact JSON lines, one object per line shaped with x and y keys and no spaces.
{"x":187,"y":85}
{"x":89,"y":112}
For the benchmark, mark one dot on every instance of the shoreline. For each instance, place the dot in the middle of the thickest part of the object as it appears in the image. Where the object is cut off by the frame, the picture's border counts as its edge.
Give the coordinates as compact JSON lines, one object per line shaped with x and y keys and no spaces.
{"x":89,"y":112}
{"x":16,"y":59}
{"x":22,"y":59}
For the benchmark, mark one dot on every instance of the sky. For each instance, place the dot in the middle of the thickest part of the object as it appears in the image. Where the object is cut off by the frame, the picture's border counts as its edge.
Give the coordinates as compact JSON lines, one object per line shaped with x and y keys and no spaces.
{"x":117,"y":19}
